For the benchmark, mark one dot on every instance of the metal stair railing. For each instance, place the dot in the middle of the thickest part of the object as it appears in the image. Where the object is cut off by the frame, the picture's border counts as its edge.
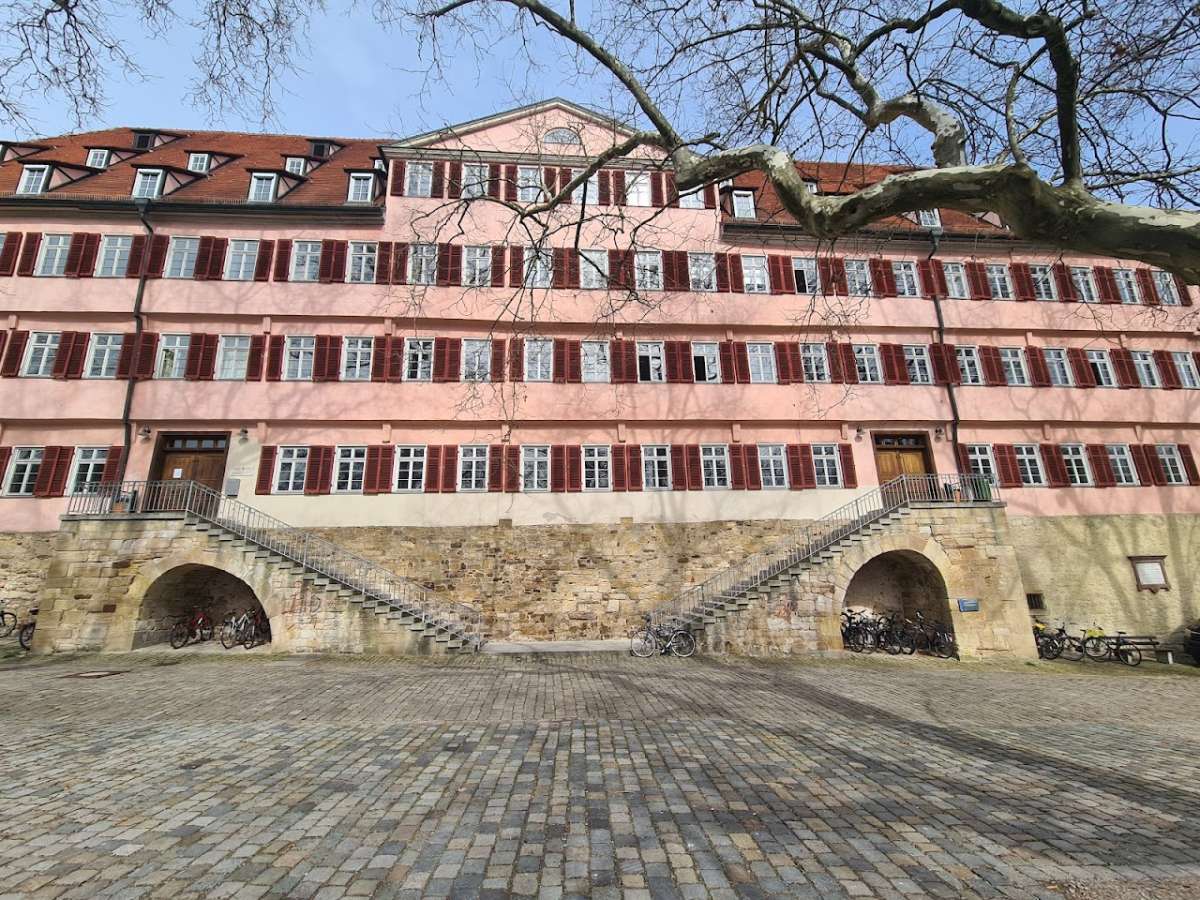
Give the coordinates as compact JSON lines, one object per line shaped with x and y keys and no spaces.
{"x":313,"y":553}
{"x":733,"y":582}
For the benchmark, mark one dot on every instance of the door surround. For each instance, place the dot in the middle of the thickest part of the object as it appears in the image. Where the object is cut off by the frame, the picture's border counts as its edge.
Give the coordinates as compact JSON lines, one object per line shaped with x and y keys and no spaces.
{"x":902,"y":442}
{"x":206,"y":443}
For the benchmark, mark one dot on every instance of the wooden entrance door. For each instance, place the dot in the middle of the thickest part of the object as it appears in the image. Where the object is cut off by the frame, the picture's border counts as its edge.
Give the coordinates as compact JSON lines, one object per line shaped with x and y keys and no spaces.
{"x":903,"y":454}
{"x":189,"y":457}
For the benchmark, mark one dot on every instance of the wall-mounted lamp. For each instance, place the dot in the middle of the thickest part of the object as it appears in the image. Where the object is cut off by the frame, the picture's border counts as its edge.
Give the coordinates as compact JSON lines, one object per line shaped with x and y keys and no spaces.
{"x":144,"y":432}
{"x":939,"y":433}
{"x":243,"y":434}
{"x":858,"y":433}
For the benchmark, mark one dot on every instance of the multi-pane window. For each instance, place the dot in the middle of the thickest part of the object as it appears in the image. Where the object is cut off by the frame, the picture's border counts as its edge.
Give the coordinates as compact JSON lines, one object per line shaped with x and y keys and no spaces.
{"x":298,"y":363}
{"x":23,"y":471}
{"x":233,"y":354}
{"x":692,"y":199}
{"x":1043,"y":283}
{"x":181,"y":259}
{"x":473,"y":468}
{"x":306,"y":260}
{"x":593,"y":269}
{"x":40,"y":354}
{"x":956,"y":280}
{"x":648,"y":270}
{"x":172,"y":355}
{"x":656,"y":467}
{"x":743,"y":204}
{"x":53,"y":261}
{"x":410,"y":467}
{"x":589,"y":191}
{"x":968,"y":365}
{"x":290,"y":470}
{"x":539,"y":359}
{"x":474,"y":181}
{"x":929,"y":218}
{"x":422,"y":264}
{"x":239,"y":266}
{"x":702,"y":271}
{"x":103,"y":354}
{"x":772,"y":465}
{"x":351,"y":466}
{"x":980,"y":462}
{"x":1029,"y":464}
{"x":1058,"y":367}
{"x":1172,"y":466}
{"x":363,"y":256}
{"x":998,"y":284}
{"x":651,"y":365}
{"x":714,"y":466}
{"x":476,"y":360}
{"x":1101,"y":368}
{"x":262,"y":187}
{"x":754,"y":274}
{"x":595,"y":362}
{"x":198,"y":163}
{"x":89,"y":468}
{"x":1081,"y":277}
{"x":706,"y":362}
{"x":1121,"y":461}
{"x":916,"y":361}
{"x":637,"y":188}
{"x":1126,"y":285}
{"x":815,"y":362}
{"x":866,"y":362}
{"x":1012,"y":359}
{"x":804,"y":268}
{"x":1185,"y":365}
{"x":418,"y":359}
{"x":1076,"y":462}
{"x":114,"y":256}
{"x":535,"y":468}
{"x":762,"y":363}
{"x":1165,"y":283}
{"x":33,"y":179}
{"x":597,"y":468}
{"x":356,"y":358}
{"x":147,"y":184}
{"x":826,"y":464}
{"x":1147,"y":372}
{"x":858,"y":278}
{"x":362,"y":188}
{"x":296,"y":165}
{"x":906,"y":279}
{"x":418,"y":179}
{"x":539,"y":267}
{"x":529,"y":184}
{"x":477,"y":266}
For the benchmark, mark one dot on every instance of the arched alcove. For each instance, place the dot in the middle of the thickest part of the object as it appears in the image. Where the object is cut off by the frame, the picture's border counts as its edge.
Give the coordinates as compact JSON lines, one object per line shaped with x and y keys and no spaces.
{"x":180,"y":590}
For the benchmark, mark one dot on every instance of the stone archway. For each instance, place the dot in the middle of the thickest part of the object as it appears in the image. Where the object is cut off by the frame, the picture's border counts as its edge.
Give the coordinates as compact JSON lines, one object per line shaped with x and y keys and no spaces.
{"x":900,"y":582}
{"x":178,"y":591}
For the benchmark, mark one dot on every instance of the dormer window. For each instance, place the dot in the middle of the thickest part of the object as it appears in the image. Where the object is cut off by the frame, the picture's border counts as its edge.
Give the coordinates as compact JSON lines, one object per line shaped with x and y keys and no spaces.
{"x":929,"y":218}
{"x":262,"y":187}
{"x":380,"y":165}
{"x":199,"y":163}
{"x":297,"y":165}
{"x":98,"y":158}
{"x":362,"y":187}
{"x":743,"y":204}
{"x":147,"y":184}
{"x":143,"y":140}
{"x":321,"y":149}
{"x":812,"y":188}
{"x":33,"y":179}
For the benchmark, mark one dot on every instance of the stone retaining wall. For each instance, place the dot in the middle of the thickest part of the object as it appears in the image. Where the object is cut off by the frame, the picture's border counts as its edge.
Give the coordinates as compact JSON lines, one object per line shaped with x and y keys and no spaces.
{"x":24,"y":561}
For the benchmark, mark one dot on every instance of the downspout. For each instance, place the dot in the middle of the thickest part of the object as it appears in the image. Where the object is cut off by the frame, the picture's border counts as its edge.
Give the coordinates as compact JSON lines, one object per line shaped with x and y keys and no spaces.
{"x":935,"y":236}
{"x":143,"y":207}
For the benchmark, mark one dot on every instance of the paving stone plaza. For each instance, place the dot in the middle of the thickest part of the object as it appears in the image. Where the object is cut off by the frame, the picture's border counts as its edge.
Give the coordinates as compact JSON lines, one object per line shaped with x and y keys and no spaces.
{"x":599,"y":775}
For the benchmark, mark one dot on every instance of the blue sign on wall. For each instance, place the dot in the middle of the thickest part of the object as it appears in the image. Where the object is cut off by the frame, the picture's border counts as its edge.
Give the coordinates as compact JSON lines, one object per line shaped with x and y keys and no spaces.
{"x":968,"y":605}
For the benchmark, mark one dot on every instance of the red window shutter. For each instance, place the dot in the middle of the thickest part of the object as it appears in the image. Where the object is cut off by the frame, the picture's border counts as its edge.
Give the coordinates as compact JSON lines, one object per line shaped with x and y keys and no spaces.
{"x":497,"y":366}
{"x":558,"y":468}
{"x":1167,"y":370}
{"x":203,"y":258}
{"x":9,"y":252}
{"x":254,"y":357}
{"x":753,"y":472}
{"x":395,"y":359}
{"x":849,"y":473}
{"x":1184,"y":290}
{"x":208,"y":357}
{"x":5,"y":455}
{"x":379,"y":357}
{"x":993,"y":368}
{"x":495,"y":176}
{"x":883,"y":279}
{"x":737,"y":280}
{"x":894,"y":370}
{"x":440,"y":357}
{"x":1189,"y":463}
{"x":710,"y":196}
{"x":72,"y":348}
{"x":338,"y":271}
{"x":283,"y":260}
{"x":574,"y":362}
{"x":516,"y":266}
{"x":454,"y":181}
{"x":783,"y":278}
{"x":558,"y":267}
{"x":1039,"y":372}
{"x":623,"y":361}
{"x":1106,"y":284}
{"x":216,"y":262}
{"x":397,"y":185}
{"x":575,"y":468}
{"x":191,"y":371}
{"x":125,"y":357}
{"x":146,"y":347}
{"x":399,"y":272}
{"x":437,"y":185}
{"x":741,"y":362}
{"x":266,"y":470}
{"x":1126,"y":371}
{"x":52,"y":475}
{"x":498,"y":266}
{"x":1022,"y":278}
{"x":722,"y":262}
{"x":318,"y":473}
{"x":510,"y":184}
{"x":29,"y":252}
{"x":1056,"y":469}
{"x":1066,"y":287}
{"x":3,"y":341}
{"x":620,"y":269}
{"x":657,"y":197}
{"x":516,"y":359}
{"x":633,"y":467}
{"x":449,"y":468}
{"x":321,"y":358}
{"x":1102,"y":473}
{"x":932,"y":277}
{"x":604,"y":194}
{"x":262,"y":263}
{"x":964,"y":460}
{"x":673,"y":362}
{"x":325,"y":266}
{"x":783,"y":365}
{"x":1007,"y":472}
{"x":1141,"y":464}
{"x":695,"y":472}
{"x":1154,"y":465}
{"x":737,"y":467}
{"x":1147,"y":289}
{"x":377,"y":473}
{"x":728,"y":369}
{"x":454,"y":251}
{"x":433,"y":469}
{"x":620,"y":479}
{"x":618,"y":187}
{"x":453,"y":359}
{"x":669,"y":275}
{"x":443,"y":265}
{"x":849,"y":363}
{"x":670,"y":189}
{"x":837,"y":363}
{"x":945,"y":364}
{"x":572,"y":268}
{"x":275,"y":345}
{"x":157,"y":257}
{"x":558,"y":372}
{"x":75,"y":253}
{"x":977,"y":283}
{"x":113,"y":462}
{"x":512,"y":469}
{"x":801,"y":471}
{"x":679,"y":477}
{"x":383,"y":262}
{"x":495,"y":467}
{"x":1081,"y":369}
{"x":831,"y":271}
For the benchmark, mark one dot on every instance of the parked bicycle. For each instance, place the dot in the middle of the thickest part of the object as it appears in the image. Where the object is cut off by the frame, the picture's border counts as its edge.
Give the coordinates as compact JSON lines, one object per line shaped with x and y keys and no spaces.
{"x":195,"y":627}
{"x":25,"y":635}
{"x":248,"y":628}
{"x":661,"y":639}
{"x":8,"y":621}
{"x":1061,"y":643}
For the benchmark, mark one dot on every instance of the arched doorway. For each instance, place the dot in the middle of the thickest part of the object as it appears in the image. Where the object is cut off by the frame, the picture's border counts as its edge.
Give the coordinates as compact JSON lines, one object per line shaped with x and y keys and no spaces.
{"x":902,"y":582}
{"x":180,"y":590}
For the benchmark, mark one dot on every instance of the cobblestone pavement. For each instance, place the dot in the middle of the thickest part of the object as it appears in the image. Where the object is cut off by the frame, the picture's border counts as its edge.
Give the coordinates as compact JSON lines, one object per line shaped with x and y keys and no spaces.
{"x":598,"y":776}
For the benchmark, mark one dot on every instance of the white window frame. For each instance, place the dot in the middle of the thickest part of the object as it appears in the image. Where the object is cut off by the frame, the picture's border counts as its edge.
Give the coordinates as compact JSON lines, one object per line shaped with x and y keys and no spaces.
{"x":969,"y":369}
{"x":350,"y":459}
{"x":535,"y":468}
{"x":1085,"y":284}
{"x":422,"y":263}
{"x":761,"y":355}
{"x":52,"y":255}
{"x":233,"y":357}
{"x":1164,"y":282}
{"x":1059,"y":367}
{"x":917,"y":363}
{"x":539,"y":359}
{"x":772,"y":466}
{"x":296,"y":459}
{"x":98,"y":158}
{"x":866,"y":364}
{"x":476,"y":360}
{"x":981,"y":461}
{"x":1147,"y":371}
{"x":361,"y":350}
{"x":814,"y":359}
{"x":999,"y":281}
{"x":702,"y":272}
{"x":411,"y":458}
{"x":418,"y":179}
{"x":113,"y":259}
{"x":33,"y":179}
{"x":296,"y":165}
{"x":595,"y":362}
{"x":648,"y":270}
{"x":827,"y":465}
{"x":104,"y":352}
{"x":1075,"y":461}
{"x":1171,"y":463}
{"x":530,"y":187}
{"x":655,"y":355}
{"x":477,"y":266}
{"x":476,"y":178}
{"x":656,"y":458}
{"x":1029,"y":465}
{"x":929,"y":218}
{"x":418,"y":359}
{"x":587,"y":193}
{"x":637,"y":188}
{"x":29,"y":461}
{"x":360,"y":187}
{"x":1012,"y":361}
{"x":956,"y":280}
{"x":41,"y":351}
{"x":743,"y":205}
{"x":306,"y":261}
{"x":142,"y":178}
{"x":905,"y":273}
{"x":754,"y":274}
{"x":597,"y":467}
{"x":1044,"y":287}
{"x":299,"y":358}
{"x":362,"y":263}
{"x":473,"y":461}
{"x":538,"y":267}
{"x":181,"y":257}
{"x":1185,"y":365}
{"x":1120,"y":460}
{"x":858,"y":278}
{"x":593,"y":270}
{"x":241,"y":260}
{"x":708,"y":352}
{"x":1127,"y":290}
{"x":693,"y":199}
{"x":264,"y":187}
{"x":87,"y":464}
{"x":714,"y":467}
{"x":806,"y":274}
{"x":170,"y":359}
{"x":1102,"y":368}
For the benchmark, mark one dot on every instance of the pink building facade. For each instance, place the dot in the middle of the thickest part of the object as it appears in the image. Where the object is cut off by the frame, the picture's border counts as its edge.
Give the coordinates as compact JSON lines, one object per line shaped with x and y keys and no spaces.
{"x":369,"y":337}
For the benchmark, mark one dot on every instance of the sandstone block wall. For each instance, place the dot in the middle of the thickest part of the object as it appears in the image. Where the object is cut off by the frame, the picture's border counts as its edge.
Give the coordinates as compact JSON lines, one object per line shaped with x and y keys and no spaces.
{"x":24,"y":561}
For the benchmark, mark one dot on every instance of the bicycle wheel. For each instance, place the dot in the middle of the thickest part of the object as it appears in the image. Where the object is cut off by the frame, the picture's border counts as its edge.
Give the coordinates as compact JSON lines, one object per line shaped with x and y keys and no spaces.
{"x":682,"y":644}
{"x":1072,"y":649}
{"x":943,"y":645}
{"x":643,"y":645}
{"x":229,"y":637}
{"x":1129,"y":654}
{"x":8,"y":622}
{"x":870,"y":642}
{"x":25,"y":635}
{"x":1049,"y":648}
{"x":890,"y":641}
{"x":180,"y":633}
{"x":206,"y":630}
{"x":1096,"y":648}
{"x":248,"y":633}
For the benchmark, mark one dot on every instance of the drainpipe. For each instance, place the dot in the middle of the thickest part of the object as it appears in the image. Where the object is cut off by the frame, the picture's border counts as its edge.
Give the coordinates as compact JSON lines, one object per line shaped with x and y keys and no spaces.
{"x":935,"y":236}
{"x":143,"y":208}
